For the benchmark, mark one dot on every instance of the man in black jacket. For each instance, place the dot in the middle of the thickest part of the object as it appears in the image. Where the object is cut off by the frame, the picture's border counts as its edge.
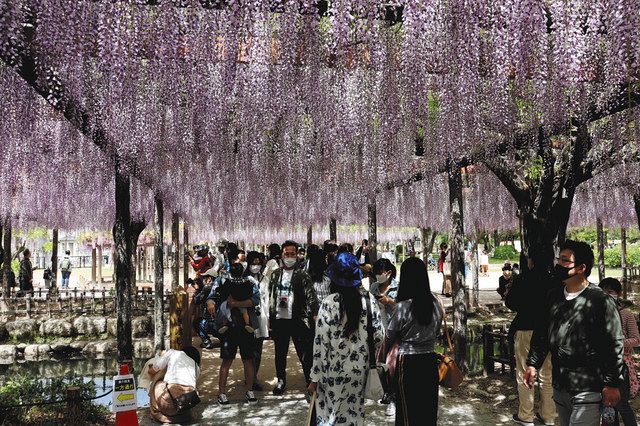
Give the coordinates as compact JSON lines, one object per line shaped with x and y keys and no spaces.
{"x":528,"y":297}
{"x":293,"y":307}
{"x":584,"y":337}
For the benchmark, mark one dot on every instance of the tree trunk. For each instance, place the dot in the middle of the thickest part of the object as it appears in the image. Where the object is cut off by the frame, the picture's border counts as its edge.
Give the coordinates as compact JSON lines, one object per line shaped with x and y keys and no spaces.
{"x":309,"y":235}
{"x":373,"y":230}
{"x":175,"y":247}
{"x":623,"y":257}
{"x":158,"y":305}
{"x":54,"y":258}
{"x":456,"y":246}
{"x":600,"y":243}
{"x":122,"y":241}
{"x":496,"y":239}
{"x":425,"y":234}
{"x":546,"y":229}
{"x":187,"y":263}
{"x":6,"y":261}
{"x":333,"y":230}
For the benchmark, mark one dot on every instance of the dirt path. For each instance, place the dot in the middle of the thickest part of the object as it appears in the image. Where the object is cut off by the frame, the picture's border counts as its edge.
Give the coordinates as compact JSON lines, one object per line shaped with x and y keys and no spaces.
{"x":479,"y":401}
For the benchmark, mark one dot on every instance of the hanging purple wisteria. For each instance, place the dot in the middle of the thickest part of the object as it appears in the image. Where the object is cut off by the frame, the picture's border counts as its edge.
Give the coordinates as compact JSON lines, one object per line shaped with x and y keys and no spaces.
{"x":256,"y":115}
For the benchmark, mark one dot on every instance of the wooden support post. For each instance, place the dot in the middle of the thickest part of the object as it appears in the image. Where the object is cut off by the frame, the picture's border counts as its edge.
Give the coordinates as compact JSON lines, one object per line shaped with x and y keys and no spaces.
{"x":185,"y":258}
{"x":178,"y":311}
{"x":94,"y":258}
{"x":140,"y":262}
{"x":623,"y":258}
{"x":600,"y":244}
{"x":175,"y":248}
{"x":475,"y":280}
{"x":100,"y":279}
{"x":6,"y":259}
{"x":333,"y":230}
{"x":74,"y":405}
{"x":373,"y":230}
{"x":54,"y":259}
{"x":158,"y":302}
{"x":487,"y":340}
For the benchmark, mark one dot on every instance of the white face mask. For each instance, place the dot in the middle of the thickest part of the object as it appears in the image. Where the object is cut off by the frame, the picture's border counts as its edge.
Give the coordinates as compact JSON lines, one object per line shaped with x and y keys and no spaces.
{"x":289,"y":261}
{"x":381,"y":278}
{"x":255,"y":269}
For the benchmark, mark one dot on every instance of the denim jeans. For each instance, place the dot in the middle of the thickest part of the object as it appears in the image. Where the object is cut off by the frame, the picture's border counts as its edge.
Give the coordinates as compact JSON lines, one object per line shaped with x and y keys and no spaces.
{"x":578,"y":408}
{"x":206,"y":327}
{"x":65,"y":279}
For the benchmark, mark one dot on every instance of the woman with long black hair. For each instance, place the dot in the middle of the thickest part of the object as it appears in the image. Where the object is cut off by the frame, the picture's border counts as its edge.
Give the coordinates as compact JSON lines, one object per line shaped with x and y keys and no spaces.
{"x":340,"y":350}
{"x":317,"y":267}
{"x":415,"y":325}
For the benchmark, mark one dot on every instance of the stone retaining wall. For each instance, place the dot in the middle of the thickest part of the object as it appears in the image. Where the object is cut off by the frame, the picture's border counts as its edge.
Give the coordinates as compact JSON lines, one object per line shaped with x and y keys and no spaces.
{"x":28,"y":330}
{"x":82,"y":335}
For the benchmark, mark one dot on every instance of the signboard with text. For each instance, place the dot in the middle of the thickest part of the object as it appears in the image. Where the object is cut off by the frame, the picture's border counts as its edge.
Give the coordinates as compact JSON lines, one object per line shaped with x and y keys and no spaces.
{"x":124,"y":393}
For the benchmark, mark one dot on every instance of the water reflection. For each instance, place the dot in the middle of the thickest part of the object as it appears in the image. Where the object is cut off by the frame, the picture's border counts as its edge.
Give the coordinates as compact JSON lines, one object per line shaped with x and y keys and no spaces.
{"x":100,"y":370}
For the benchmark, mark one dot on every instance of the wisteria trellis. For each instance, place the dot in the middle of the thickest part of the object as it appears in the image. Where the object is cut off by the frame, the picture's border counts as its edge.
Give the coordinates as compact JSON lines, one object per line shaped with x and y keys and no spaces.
{"x":242,"y":117}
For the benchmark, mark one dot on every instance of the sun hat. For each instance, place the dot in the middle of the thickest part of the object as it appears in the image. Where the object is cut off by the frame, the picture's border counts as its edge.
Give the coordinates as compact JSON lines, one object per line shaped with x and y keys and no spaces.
{"x":345,"y":270}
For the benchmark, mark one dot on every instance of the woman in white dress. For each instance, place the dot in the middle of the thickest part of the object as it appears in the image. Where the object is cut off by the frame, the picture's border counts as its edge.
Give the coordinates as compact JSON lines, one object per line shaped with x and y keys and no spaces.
{"x":340,"y":350}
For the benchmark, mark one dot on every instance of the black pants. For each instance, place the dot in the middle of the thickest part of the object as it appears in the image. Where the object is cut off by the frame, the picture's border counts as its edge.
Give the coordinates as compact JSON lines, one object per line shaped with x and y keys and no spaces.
{"x":257,"y":357}
{"x":296,"y":330}
{"x":417,"y":389}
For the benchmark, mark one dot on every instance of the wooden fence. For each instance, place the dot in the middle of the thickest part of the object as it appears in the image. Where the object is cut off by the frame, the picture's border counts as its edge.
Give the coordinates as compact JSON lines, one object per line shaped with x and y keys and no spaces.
{"x":93,"y":301}
{"x":497,"y":339}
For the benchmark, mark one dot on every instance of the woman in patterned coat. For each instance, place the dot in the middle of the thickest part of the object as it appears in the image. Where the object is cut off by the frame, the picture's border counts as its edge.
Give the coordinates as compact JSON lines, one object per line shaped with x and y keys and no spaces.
{"x":340,"y":351}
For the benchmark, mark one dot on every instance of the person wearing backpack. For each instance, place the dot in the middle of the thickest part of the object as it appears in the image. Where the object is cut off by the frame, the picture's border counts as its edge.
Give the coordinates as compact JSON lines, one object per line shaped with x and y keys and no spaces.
{"x":65,"y":269}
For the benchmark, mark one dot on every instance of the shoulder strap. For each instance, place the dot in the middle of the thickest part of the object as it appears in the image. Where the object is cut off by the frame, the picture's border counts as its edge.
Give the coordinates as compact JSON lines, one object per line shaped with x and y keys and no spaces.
{"x":372,"y":353}
{"x":446,"y":329}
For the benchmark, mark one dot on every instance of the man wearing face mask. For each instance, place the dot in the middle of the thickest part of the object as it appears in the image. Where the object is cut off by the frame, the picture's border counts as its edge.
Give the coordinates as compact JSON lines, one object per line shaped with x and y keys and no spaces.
{"x":527,"y":297}
{"x":505,"y":281}
{"x":584,"y":336}
{"x":293,"y":307}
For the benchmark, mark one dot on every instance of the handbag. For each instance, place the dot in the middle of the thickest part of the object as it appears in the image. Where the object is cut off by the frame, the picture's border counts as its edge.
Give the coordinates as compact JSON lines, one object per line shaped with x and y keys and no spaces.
{"x":185,"y":401}
{"x":373,"y":387}
{"x":449,"y":374}
{"x":311,"y":412}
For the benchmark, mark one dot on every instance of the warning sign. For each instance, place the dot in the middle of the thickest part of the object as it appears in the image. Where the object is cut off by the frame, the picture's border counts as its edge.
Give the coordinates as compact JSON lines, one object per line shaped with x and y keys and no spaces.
{"x":124,"y":393}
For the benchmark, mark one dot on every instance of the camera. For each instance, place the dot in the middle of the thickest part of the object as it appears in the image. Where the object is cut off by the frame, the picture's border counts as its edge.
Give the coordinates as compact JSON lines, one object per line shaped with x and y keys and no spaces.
{"x":283,"y":302}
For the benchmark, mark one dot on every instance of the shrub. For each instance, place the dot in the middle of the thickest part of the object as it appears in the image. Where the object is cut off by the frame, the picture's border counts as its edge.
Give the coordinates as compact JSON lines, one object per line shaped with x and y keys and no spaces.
{"x":613,"y":256}
{"x":25,"y":390}
{"x":507,"y":252}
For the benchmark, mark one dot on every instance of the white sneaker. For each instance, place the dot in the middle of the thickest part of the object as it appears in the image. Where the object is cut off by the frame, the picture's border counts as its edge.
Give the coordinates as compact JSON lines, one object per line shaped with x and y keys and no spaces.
{"x":222,"y":399}
{"x":250,"y":396}
{"x":390,"y":411}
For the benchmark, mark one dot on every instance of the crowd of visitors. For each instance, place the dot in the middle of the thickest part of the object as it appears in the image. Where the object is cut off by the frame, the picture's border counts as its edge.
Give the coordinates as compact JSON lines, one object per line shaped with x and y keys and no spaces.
{"x":573,"y":338}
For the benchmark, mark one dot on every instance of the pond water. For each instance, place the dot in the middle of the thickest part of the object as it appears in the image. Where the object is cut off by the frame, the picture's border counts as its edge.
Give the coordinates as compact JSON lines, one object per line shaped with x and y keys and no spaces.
{"x":100,"y":371}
